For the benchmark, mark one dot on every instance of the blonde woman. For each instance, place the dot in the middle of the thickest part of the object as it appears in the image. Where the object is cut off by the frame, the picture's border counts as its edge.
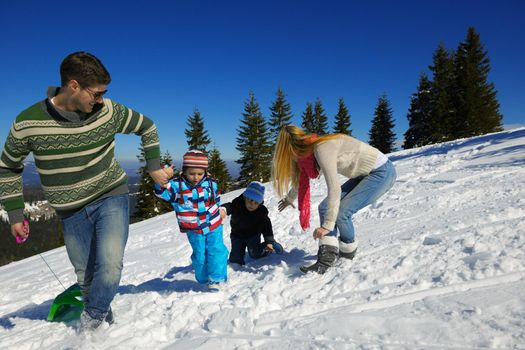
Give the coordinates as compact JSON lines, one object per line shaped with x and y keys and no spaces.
{"x":300,"y":157}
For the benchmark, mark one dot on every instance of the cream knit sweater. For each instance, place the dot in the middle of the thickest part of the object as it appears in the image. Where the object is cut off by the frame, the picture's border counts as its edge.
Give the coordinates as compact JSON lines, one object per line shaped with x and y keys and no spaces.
{"x":346,"y":156}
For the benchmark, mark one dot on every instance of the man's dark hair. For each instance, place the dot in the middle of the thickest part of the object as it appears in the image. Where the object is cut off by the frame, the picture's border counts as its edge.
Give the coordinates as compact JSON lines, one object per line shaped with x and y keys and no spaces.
{"x":85,"y":68}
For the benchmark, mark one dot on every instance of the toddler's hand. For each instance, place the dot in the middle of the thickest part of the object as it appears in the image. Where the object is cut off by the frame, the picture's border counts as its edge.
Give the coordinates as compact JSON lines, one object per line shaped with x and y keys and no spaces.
{"x":269,"y":248}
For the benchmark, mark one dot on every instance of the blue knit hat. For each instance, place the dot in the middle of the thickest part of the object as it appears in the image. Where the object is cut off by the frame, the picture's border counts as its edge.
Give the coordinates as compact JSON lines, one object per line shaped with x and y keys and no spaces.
{"x":255,"y":192}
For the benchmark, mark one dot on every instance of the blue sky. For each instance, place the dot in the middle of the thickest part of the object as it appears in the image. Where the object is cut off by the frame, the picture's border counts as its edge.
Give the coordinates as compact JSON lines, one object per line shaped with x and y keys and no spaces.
{"x":168,"y":57}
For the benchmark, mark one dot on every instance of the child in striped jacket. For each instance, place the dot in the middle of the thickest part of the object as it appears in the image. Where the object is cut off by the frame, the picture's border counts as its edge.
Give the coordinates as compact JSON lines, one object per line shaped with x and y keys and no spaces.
{"x":195,"y":198}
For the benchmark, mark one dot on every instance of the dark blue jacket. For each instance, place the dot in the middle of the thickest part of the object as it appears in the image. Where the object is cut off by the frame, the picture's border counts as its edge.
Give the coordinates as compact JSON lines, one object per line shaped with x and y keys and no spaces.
{"x":245,"y":223}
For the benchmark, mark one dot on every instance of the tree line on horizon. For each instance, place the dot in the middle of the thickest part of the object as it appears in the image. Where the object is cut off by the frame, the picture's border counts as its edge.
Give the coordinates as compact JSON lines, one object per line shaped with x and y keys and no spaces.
{"x":458,"y":102}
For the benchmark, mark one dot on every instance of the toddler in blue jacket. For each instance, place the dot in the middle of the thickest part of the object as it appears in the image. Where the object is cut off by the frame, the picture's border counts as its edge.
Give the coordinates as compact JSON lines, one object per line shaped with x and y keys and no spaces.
{"x":195,"y":198}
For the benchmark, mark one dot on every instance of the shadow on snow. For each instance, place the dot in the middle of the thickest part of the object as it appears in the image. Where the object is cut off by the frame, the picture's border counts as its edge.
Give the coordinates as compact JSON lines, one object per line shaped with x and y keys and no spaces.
{"x":169,"y":284}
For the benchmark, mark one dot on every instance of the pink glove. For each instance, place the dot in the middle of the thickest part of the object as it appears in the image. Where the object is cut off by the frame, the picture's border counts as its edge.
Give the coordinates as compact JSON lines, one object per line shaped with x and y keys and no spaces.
{"x":19,"y":239}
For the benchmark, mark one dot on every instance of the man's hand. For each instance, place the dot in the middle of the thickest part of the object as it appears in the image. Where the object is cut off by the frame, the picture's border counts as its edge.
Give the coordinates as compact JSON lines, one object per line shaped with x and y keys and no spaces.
{"x":320,"y":232}
{"x":169,"y":171}
{"x":283,"y":203}
{"x":21,"y":231}
{"x":222,"y":212}
{"x":160,"y":176}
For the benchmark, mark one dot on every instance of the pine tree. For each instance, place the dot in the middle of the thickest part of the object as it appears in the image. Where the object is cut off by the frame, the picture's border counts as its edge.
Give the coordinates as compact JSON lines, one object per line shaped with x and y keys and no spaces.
{"x":196,"y":135}
{"x":218,"y":170}
{"x":163,"y":206}
{"x":342,"y":119}
{"x":166,"y":158}
{"x":381,"y":134}
{"x":147,"y":204}
{"x":419,"y":131}
{"x":280,"y":115}
{"x":320,"y":118}
{"x":443,"y":117}
{"x":476,"y":99}
{"x":253,"y":145}
{"x":308,"y":119}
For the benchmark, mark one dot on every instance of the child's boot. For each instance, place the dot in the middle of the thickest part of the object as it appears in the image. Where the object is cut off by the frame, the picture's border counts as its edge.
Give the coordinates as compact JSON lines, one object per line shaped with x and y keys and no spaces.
{"x":214,"y":287}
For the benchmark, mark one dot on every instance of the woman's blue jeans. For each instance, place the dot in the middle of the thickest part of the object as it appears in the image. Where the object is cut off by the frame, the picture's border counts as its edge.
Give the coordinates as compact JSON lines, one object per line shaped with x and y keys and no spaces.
{"x":356,"y":194}
{"x":95,"y":239}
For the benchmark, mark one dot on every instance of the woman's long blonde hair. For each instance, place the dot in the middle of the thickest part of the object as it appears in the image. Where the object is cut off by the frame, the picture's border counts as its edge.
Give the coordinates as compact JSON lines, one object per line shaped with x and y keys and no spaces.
{"x":292,"y":143}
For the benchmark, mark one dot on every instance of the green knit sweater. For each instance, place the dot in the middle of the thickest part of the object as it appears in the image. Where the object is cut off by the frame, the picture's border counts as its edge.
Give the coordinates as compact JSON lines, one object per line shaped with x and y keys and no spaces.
{"x":75,"y":160}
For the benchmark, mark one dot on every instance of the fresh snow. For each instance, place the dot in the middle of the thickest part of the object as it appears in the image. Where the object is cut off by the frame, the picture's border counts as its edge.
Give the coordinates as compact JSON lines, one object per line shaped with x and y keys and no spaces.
{"x":441,"y":264}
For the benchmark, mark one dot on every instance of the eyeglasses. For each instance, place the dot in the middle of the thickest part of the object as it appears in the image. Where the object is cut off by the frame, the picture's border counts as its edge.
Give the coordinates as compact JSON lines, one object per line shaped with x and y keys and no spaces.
{"x":96,"y":94}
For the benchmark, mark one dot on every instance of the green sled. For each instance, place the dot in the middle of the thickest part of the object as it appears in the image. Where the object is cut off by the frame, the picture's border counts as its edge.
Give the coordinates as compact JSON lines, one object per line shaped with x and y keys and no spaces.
{"x":67,"y":306}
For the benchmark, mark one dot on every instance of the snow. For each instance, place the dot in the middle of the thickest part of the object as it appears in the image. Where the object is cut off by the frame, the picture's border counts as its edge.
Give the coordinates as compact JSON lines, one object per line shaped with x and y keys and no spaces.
{"x":441,"y":264}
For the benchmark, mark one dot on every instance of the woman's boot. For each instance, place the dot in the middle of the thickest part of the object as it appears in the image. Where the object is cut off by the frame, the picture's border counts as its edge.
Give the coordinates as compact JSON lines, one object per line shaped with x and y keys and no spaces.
{"x":326,"y":258}
{"x":347,"y":250}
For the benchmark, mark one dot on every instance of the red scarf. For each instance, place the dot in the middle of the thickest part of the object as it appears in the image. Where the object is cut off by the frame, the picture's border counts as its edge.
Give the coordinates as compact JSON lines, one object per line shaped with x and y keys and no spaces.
{"x":307,"y":170}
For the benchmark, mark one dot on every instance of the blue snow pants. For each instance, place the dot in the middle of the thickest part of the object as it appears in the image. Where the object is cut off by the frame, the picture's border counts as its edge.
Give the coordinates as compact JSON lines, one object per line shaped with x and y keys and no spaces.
{"x":209,"y":257}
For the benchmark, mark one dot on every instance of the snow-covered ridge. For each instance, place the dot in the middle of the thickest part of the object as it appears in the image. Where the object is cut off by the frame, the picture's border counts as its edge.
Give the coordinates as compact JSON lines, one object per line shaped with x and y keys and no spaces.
{"x":37,"y":210}
{"x":441,"y":264}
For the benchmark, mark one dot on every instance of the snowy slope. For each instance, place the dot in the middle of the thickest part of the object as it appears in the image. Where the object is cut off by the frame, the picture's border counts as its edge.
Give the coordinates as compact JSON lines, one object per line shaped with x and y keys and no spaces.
{"x":441,"y":264}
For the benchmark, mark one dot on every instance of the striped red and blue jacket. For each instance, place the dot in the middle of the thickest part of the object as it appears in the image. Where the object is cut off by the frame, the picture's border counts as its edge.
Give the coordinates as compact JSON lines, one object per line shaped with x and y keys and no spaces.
{"x":196,"y":206}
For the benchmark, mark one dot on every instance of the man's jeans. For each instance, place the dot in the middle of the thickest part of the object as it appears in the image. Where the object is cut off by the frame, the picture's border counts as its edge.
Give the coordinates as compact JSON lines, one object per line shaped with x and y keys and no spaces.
{"x":95,"y":239}
{"x":356,"y":194}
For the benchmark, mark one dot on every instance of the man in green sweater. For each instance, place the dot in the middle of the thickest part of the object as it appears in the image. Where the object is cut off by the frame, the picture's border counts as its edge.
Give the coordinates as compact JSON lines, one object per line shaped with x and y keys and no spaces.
{"x":72,"y":137}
